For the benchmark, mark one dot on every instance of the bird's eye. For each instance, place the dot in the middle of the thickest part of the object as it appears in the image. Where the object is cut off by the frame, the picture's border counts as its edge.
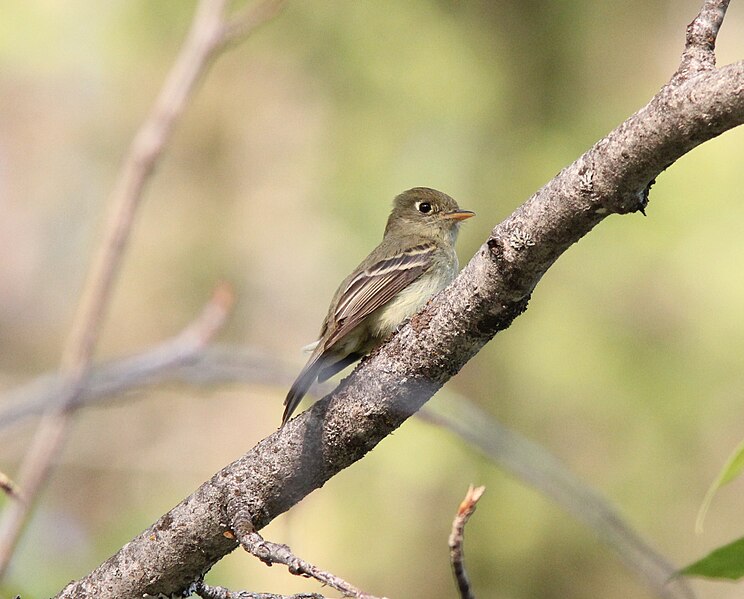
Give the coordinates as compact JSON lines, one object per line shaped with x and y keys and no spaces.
{"x":424,"y":207}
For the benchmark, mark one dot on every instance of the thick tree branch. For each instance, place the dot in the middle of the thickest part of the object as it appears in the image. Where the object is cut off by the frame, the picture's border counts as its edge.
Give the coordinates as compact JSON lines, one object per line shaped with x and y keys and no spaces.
{"x":178,"y":360}
{"x":612,"y":177}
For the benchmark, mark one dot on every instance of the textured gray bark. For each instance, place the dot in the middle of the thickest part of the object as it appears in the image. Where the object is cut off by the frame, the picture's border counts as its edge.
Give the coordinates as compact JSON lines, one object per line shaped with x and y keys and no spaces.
{"x":613,"y":177}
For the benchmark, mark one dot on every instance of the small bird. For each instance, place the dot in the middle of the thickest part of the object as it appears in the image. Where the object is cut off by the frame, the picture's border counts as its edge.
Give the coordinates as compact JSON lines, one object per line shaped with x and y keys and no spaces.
{"x":415,"y":259}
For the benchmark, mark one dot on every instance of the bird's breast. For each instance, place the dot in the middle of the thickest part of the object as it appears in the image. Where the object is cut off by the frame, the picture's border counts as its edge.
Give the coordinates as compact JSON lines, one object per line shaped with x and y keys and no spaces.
{"x":387,"y":318}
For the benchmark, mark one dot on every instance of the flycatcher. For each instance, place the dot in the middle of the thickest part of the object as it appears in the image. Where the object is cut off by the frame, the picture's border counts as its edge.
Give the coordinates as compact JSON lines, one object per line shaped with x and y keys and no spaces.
{"x":415,"y":259}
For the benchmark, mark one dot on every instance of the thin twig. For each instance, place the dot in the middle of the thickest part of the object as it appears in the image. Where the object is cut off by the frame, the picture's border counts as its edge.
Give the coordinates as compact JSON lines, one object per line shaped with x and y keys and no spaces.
{"x":205,"y":38}
{"x":276,"y":553}
{"x":457,"y":536}
{"x":206,"y":591}
{"x":537,"y":467}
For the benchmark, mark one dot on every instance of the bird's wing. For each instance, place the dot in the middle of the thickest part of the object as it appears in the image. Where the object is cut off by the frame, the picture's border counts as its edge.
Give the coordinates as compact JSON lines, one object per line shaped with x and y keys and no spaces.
{"x":375,"y":286}
{"x":362,"y":295}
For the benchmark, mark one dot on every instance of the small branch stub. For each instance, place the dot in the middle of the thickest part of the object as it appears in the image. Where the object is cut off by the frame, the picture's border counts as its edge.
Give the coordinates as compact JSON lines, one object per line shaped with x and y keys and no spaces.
{"x":703,"y":30}
{"x":700,"y":40}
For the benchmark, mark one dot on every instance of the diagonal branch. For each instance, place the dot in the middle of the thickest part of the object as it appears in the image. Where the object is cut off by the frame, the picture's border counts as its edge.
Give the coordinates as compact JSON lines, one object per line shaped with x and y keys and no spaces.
{"x":177,"y":360}
{"x":494,"y":288}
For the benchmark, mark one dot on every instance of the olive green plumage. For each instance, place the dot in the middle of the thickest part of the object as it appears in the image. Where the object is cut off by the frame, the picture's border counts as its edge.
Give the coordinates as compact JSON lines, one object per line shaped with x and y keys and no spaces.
{"x":415,"y":259}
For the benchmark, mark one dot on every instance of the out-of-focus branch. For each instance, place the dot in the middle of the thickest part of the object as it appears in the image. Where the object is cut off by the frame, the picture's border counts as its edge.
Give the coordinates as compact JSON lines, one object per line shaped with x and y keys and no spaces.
{"x":189,"y":341}
{"x":193,"y":338}
{"x":183,"y":359}
{"x":144,"y":153}
{"x":208,"y":34}
{"x":457,"y":538}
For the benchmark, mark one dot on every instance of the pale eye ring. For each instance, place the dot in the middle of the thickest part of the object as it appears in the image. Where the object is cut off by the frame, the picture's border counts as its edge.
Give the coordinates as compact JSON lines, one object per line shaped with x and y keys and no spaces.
{"x":424,"y":207}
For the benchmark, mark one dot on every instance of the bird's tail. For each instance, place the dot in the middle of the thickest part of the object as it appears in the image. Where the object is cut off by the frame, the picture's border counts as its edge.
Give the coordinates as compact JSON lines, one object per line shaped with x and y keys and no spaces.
{"x":301,"y":386}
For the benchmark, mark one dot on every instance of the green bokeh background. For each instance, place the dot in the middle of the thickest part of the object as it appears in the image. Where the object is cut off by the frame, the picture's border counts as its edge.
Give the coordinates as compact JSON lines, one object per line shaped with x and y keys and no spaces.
{"x":628,"y":364}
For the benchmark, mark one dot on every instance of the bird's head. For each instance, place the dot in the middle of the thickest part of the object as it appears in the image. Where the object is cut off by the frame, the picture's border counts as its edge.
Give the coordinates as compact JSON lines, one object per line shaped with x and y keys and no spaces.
{"x":426,"y":212}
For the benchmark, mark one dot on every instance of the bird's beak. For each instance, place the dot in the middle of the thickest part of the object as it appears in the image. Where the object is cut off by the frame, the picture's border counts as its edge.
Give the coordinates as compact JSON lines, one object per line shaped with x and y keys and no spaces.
{"x":458,"y":214}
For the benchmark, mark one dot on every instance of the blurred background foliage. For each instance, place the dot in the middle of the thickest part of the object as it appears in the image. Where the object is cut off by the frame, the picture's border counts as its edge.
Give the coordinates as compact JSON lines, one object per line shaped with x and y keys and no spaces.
{"x":627,"y":365}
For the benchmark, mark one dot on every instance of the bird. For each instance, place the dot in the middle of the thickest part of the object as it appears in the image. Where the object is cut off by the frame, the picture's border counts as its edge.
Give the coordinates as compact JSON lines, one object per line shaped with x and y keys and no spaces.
{"x":415,"y":259}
